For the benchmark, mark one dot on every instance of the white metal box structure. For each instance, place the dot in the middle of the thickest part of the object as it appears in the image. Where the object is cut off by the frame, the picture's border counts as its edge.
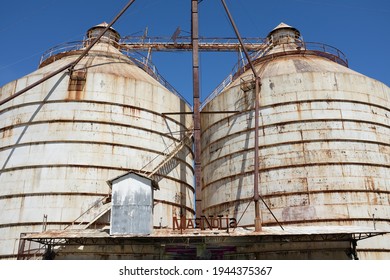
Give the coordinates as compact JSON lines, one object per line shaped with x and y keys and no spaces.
{"x":132,"y":205}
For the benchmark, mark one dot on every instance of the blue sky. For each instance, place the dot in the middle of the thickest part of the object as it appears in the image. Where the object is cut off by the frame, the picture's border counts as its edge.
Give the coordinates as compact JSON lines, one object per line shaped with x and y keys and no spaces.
{"x":359,"y":28}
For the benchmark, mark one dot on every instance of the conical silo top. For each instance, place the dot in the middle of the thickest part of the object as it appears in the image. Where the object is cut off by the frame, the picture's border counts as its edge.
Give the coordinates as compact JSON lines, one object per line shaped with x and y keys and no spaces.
{"x":103,"y":24}
{"x":283,"y":33}
{"x":282,"y":25}
{"x":110,"y":34}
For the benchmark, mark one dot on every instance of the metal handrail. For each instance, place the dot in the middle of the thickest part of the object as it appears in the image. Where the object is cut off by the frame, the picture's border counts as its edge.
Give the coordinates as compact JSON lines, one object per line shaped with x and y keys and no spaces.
{"x":86,"y":212}
{"x":340,"y":57}
{"x":187,"y":40}
{"x":227,"y":81}
{"x":144,"y":63}
{"x":230,"y":78}
{"x":319,"y":49}
{"x":140,"y":60}
{"x":62,"y":48}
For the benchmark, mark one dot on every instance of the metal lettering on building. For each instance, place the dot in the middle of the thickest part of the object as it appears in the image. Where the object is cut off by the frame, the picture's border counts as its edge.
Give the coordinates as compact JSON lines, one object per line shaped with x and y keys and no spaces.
{"x":204,"y":222}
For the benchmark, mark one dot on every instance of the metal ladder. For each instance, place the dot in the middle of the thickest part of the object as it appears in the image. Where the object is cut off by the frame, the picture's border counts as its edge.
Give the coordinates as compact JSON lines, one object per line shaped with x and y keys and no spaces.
{"x":83,"y":218}
{"x":168,"y":156}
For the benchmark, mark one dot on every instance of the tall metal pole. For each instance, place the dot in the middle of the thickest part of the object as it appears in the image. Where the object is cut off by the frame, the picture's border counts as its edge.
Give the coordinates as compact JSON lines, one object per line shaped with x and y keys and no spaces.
{"x":256,"y":195}
{"x":256,"y":179}
{"x":196,"y":101}
{"x":70,"y":65}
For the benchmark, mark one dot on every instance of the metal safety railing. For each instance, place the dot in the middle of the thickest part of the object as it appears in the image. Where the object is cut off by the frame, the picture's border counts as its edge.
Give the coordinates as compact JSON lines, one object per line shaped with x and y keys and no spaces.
{"x":62,"y":48}
{"x":185,"y":43}
{"x":137,"y":58}
{"x":237,"y":67}
{"x":84,"y":220}
{"x":228,"y":80}
{"x":103,"y":205}
{"x":146,"y":64}
{"x":260,"y":48}
{"x":99,"y":208}
{"x":271,"y":50}
{"x":168,"y":155}
{"x":327,"y":51}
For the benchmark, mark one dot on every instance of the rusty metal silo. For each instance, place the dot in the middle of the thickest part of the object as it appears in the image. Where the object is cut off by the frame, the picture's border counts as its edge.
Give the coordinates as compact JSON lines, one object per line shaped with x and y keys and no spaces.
{"x":324,"y":144}
{"x":64,"y":139}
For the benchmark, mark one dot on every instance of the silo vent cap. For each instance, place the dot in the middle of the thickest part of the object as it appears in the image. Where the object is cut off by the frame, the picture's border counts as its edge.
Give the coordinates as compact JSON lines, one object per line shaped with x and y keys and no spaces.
{"x":110,"y":34}
{"x":282,"y":25}
{"x":285,"y":26}
{"x":283,"y":33}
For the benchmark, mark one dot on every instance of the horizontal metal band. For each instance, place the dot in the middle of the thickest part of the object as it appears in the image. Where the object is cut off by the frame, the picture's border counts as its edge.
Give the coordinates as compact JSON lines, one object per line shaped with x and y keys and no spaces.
{"x":299,"y":122}
{"x":39,"y":223}
{"x":93,"y":122}
{"x":97,"y":143}
{"x":188,"y":186}
{"x":286,"y":194}
{"x":166,"y":202}
{"x":17,"y":195}
{"x":294,"y":143}
{"x":161,"y":115}
{"x":373,"y":250}
{"x":316,"y":221}
{"x":227,"y":119}
{"x":262,"y":170}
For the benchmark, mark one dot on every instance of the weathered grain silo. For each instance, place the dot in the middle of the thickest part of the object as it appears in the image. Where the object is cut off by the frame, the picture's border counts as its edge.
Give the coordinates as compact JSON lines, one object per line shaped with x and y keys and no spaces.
{"x":63,"y":140}
{"x":324,"y":147}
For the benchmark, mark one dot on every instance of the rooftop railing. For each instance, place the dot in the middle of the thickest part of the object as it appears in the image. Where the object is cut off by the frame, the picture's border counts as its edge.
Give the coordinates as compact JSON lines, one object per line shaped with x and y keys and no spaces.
{"x":137,"y":58}
{"x":262,"y":51}
{"x":271,"y":51}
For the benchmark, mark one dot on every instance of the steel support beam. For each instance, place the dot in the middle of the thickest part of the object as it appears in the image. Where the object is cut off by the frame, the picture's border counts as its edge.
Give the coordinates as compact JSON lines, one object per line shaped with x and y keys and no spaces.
{"x":256,"y":180}
{"x":217,"y":46}
{"x":196,"y":105}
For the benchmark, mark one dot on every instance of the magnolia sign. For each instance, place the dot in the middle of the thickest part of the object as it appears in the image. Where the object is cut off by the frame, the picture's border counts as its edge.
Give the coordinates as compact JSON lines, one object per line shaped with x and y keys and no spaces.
{"x":204,"y":222}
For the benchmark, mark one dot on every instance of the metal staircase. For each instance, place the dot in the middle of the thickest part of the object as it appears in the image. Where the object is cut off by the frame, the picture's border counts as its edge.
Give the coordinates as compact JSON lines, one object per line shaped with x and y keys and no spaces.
{"x":97,"y":210}
{"x":103,"y":205}
{"x":166,"y":166}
